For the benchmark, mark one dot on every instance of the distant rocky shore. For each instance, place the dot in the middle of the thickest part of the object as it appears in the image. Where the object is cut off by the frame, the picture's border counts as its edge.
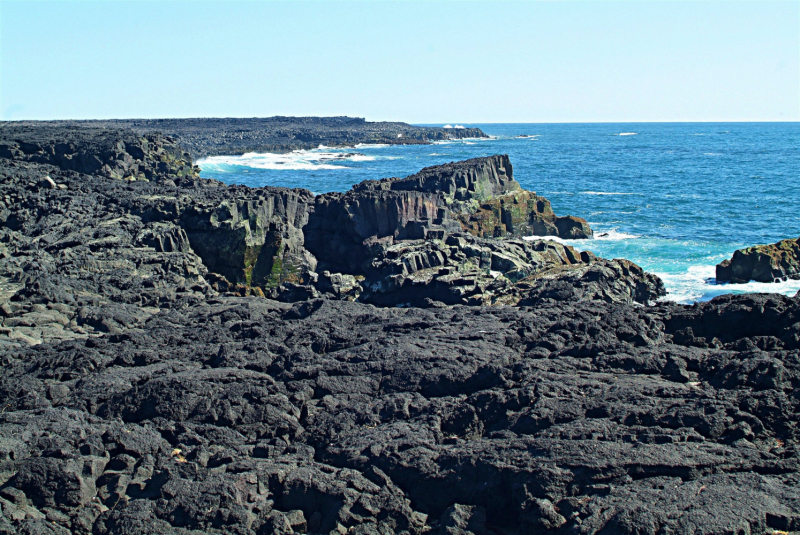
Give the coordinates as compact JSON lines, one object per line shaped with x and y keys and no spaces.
{"x":212,"y":136}
{"x":181,"y":356}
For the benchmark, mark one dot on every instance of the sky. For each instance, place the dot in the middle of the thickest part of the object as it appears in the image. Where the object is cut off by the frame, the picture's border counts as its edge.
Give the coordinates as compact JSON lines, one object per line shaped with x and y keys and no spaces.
{"x":420,"y":62}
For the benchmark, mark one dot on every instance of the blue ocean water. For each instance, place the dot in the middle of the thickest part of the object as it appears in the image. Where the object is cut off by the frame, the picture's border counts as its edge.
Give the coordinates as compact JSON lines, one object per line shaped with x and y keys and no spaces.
{"x":676,"y":198}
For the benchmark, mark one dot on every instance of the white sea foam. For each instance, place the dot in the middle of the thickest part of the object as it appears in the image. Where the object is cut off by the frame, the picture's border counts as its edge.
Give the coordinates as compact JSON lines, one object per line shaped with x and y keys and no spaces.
{"x":448,"y":126}
{"x":299,"y":160}
{"x":628,"y":134}
{"x":608,"y":193}
{"x":462,"y":127}
{"x":550,"y":238}
{"x":464,"y":140}
{"x":608,"y":235}
{"x":371,"y":145}
{"x":698,"y":283}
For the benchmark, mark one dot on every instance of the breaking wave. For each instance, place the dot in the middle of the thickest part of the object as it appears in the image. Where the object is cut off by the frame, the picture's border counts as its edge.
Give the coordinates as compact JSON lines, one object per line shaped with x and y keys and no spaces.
{"x":296,"y":160}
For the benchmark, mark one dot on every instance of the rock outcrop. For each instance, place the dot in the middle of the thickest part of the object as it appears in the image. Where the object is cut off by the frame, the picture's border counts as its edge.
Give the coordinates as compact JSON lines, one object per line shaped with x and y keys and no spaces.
{"x":143,"y":392}
{"x":465,"y":270}
{"x":478,"y":196}
{"x":762,"y":263}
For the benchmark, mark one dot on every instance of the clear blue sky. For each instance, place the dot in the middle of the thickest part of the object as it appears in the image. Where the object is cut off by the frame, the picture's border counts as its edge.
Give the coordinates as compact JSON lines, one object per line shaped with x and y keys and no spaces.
{"x":420,"y":62}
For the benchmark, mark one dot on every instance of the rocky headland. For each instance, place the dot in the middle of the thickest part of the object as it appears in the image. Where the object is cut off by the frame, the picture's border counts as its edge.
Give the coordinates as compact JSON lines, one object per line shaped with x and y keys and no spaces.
{"x":181,"y":356}
{"x":763,"y":263}
{"x":203,"y":137}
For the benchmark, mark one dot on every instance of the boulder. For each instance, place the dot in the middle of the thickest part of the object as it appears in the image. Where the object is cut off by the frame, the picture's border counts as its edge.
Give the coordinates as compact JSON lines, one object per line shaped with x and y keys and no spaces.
{"x":47,"y":183}
{"x":762,"y":263}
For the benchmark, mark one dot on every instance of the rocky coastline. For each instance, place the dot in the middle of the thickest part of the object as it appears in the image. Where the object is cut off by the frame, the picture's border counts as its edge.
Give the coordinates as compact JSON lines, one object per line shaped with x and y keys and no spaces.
{"x":204,"y":137}
{"x":181,"y":357}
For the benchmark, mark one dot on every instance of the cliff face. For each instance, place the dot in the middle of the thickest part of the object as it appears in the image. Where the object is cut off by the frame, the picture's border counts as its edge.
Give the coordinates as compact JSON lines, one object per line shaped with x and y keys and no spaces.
{"x":478,"y":196}
{"x":143,"y":392}
{"x":762,"y":263}
{"x":255,"y":240}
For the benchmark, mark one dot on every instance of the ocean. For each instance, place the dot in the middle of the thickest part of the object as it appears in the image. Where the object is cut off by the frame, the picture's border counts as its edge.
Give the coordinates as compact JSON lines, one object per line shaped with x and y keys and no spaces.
{"x":676,"y":198}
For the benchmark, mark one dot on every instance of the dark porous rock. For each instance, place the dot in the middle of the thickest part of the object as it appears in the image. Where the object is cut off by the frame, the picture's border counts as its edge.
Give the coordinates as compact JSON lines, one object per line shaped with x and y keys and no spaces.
{"x":93,"y":150}
{"x":479,"y":196}
{"x":530,"y":387}
{"x":467,"y":270}
{"x":762,"y":263}
{"x":243,"y":415}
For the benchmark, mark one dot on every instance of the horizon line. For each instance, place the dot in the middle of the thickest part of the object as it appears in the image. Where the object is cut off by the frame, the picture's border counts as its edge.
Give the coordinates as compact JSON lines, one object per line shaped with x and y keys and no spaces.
{"x":412,"y":123}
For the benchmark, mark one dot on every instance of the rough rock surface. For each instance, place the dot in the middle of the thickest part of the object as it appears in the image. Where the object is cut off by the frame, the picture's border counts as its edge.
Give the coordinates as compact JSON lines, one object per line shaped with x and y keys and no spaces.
{"x":465,"y":270}
{"x":244,"y":415}
{"x":98,"y":151}
{"x":762,"y":263}
{"x":210,"y":137}
{"x":345,"y":228}
{"x":141,"y":394}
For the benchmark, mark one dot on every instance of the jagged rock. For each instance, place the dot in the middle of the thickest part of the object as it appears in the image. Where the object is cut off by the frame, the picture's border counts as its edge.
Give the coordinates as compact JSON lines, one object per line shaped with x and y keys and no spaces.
{"x":255,"y":239}
{"x":340,"y":285}
{"x":464,"y":520}
{"x":573,"y":228}
{"x":762,"y":263}
{"x":469,"y":270}
{"x":479,"y":196}
{"x":521,"y":213}
{"x":94,"y":150}
{"x":542,"y":516}
{"x":468,"y":181}
{"x":238,"y":413}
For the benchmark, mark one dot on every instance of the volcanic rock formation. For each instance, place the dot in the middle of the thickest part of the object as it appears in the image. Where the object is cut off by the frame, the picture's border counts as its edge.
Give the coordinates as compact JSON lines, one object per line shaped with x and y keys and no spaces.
{"x":762,"y":263}
{"x":143,"y":392}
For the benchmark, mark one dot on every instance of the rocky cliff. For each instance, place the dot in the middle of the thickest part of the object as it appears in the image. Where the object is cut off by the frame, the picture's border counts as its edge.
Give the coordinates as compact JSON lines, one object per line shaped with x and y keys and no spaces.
{"x":762,"y":263}
{"x":440,"y":200}
{"x":144,"y":392}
